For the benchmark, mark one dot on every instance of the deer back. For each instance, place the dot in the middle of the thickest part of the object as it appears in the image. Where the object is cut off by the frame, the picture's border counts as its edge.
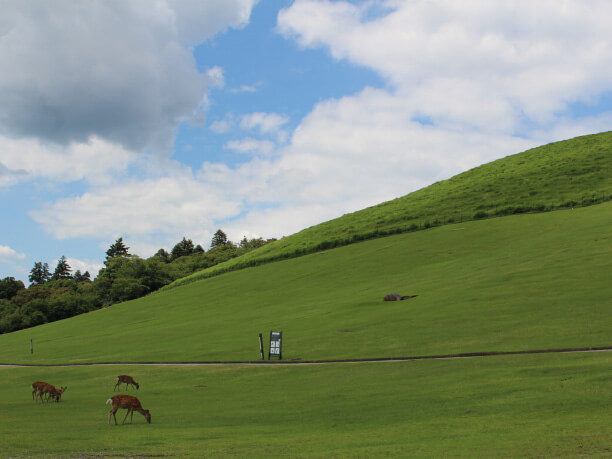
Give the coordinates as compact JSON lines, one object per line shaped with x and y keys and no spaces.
{"x":126,"y":401}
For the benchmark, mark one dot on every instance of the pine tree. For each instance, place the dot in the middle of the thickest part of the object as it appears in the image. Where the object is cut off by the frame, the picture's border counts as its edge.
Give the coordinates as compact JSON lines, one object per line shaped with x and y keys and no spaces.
{"x":62,"y":270}
{"x":118,"y":249}
{"x":81,"y":277}
{"x":219,"y":239}
{"x":40,"y":273}
{"x":185,"y":247}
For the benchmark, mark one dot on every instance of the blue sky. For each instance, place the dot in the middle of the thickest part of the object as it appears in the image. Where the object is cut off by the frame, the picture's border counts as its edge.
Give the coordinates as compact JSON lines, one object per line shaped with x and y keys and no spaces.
{"x":157,"y":120}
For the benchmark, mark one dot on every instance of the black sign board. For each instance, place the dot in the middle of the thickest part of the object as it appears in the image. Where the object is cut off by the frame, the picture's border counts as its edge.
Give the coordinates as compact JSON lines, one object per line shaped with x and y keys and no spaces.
{"x":276,"y":341}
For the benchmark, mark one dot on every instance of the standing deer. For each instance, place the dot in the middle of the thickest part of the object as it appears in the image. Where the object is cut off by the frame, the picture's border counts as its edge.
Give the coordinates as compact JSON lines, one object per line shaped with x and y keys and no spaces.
{"x":126,"y":402}
{"x":127,"y":380}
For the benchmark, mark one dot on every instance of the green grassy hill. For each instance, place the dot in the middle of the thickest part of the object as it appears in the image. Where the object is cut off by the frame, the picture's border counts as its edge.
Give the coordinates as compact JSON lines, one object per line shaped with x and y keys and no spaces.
{"x":571,"y":173}
{"x":519,"y":282}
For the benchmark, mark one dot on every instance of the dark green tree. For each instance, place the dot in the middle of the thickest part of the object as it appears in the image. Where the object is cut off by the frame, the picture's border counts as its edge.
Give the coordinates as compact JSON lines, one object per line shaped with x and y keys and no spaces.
{"x":9,"y":287}
{"x":118,"y":249}
{"x":82,"y":277}
{"x":162,"y":255}
{"x":198,"y":249}
{"x":62,"y":270}
{"x":252,"y":243}
{"x":185,"y":247}
{"x":219,"y":239}
{"x":40,"y":273}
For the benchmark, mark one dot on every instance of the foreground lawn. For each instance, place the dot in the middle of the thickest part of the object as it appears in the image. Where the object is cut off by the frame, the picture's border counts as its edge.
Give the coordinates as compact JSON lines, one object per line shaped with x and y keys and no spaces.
{"x":514,"y":406}
{"x":514,"y":283}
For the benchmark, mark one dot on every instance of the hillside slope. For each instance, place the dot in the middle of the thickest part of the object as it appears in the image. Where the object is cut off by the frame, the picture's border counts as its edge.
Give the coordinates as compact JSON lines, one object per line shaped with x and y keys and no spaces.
{"x":520,"y":282}
{"x":571,"y":173}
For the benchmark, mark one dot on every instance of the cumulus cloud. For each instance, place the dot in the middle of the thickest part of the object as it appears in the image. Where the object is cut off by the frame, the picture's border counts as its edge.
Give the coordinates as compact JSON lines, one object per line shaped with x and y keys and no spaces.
{"x":6,"y":254}
{"x":95,"y":160}
{"x":119,"y":71}
{"x":482,"y":64}
{"x":265,"y":123}
{"x":220,"y":126}
{"x":168,"y":204}
{"x":250,"y":145}
{"x":91,"y":266}
{"x":9,"y":177}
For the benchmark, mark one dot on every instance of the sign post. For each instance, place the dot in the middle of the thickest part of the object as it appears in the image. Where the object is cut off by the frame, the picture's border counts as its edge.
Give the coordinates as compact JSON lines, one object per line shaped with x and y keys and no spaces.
{"x":276,"y":341}
{"x":261,"y":349}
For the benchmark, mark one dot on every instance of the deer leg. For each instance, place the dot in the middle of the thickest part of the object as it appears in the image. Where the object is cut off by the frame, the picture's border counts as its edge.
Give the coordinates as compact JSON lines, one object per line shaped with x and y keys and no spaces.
{"x":126,"y":415}
{"x":132,"y":417}
{"x":112,"y":413}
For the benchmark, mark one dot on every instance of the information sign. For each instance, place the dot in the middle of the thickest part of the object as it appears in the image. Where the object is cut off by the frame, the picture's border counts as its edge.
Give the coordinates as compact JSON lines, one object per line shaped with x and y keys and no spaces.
{"x":276,"y":341}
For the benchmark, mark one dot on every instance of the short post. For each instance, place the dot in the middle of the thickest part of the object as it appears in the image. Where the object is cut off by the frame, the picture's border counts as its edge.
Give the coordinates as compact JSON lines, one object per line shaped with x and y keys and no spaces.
{"x":31,"y":347}
{"x":261,"y":350}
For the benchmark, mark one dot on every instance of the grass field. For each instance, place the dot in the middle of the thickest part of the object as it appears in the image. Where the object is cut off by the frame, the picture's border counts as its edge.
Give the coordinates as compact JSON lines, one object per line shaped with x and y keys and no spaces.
{"x":521,"y":282}
{"x":518,"y":406}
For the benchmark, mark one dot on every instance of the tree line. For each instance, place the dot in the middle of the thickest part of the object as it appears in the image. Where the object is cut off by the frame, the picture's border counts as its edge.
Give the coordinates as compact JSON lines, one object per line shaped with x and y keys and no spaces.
{"x":61,"y":294}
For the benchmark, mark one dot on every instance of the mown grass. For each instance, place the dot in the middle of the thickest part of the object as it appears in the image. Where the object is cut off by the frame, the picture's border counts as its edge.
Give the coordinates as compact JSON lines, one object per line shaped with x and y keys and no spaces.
{"x":567,"y":174}
{"x":521,"y":282}
{"x":516,"y":406}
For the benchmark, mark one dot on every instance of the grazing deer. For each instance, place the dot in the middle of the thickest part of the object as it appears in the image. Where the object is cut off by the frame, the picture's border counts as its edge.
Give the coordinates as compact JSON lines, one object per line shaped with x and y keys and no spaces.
{"x":42,"y":388}
{"x":37,"y":389}
{"x":127,"y":380}
{"x":126,"y":402}
{"x":52,"y":392}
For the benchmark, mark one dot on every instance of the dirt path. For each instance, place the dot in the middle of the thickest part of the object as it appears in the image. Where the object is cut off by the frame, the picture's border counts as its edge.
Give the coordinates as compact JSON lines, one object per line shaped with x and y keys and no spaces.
{"x":322,"y":362}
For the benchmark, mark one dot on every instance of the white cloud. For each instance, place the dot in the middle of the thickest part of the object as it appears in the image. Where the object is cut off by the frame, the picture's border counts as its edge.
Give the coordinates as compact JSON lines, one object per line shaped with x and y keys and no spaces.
{"x":216,"y":77}
{"x":118,"y":71}
{"x":221,"y":126}
{"x":95,"y":160}
{"x":6,"y":253}
{"x":250,"y":145}
{"x":482,"y":64}
{"x":244,"y":88}
{"x":171,"y":204}
{"x":198,"y":21}
{"x":92,"y":266}
{"x":265,"y":123}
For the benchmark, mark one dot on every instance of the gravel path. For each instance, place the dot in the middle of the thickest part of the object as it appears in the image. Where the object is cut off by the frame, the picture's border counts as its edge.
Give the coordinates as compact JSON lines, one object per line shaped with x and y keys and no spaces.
{"x":322,"y":362}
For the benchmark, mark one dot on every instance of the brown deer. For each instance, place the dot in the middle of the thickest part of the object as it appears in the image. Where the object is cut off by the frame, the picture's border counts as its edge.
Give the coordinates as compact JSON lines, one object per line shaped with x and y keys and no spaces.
{"x":42,"y":388}
{"x":127,"y":380}
{"x":55,"y":393}
{"x":126,"y":402}
{"x":37,"y":389}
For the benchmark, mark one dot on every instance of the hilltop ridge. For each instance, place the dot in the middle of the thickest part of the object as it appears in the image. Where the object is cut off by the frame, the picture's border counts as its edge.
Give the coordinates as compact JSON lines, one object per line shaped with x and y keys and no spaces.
{"x":564,"y":174}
